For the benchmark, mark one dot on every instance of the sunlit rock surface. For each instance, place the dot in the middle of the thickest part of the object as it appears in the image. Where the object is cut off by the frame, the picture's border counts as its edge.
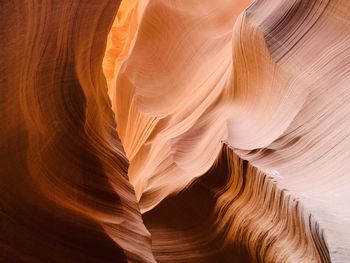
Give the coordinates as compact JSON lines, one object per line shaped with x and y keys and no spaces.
{"x":175,"y":131}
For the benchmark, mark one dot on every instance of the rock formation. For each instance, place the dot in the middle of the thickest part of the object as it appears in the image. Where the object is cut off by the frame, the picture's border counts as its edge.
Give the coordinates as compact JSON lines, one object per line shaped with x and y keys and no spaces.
{"x":175,"y":131}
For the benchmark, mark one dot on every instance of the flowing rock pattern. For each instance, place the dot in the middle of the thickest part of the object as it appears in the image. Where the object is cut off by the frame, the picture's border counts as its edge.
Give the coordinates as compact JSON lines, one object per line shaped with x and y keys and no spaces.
{"x":64,"y":194}
{"x":175,"y":131}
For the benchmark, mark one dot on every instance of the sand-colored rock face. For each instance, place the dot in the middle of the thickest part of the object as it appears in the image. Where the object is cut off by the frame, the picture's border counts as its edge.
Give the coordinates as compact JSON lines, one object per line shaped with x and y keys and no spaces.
{"x":175,"y":131}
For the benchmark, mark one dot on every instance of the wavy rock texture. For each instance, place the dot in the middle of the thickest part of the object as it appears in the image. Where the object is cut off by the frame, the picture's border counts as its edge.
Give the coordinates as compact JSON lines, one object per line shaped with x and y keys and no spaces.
{"x":175,"y":131}
{"x":64,"y":194}
{"x":270,"y":82}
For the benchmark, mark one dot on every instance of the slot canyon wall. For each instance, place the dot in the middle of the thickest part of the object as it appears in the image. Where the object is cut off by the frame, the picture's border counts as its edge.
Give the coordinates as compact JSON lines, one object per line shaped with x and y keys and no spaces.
{"x":175,"y":131}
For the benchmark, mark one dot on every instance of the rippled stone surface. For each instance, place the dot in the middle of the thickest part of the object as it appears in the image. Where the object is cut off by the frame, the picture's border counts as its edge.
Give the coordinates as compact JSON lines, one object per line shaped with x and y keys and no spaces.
{"x":175,"y":131}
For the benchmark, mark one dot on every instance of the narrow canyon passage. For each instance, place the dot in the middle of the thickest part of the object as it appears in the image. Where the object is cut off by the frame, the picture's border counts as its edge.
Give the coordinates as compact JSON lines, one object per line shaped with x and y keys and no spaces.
{"x":175,"y":131}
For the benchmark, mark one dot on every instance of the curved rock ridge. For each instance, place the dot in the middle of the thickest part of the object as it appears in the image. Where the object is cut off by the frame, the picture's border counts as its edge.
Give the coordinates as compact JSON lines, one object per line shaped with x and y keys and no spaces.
{"x":175,"y":131}
{"x":267,"y":78}
{"x":65,"y":196}
{"x":161,"y":101}
{"x":219,"y":218}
